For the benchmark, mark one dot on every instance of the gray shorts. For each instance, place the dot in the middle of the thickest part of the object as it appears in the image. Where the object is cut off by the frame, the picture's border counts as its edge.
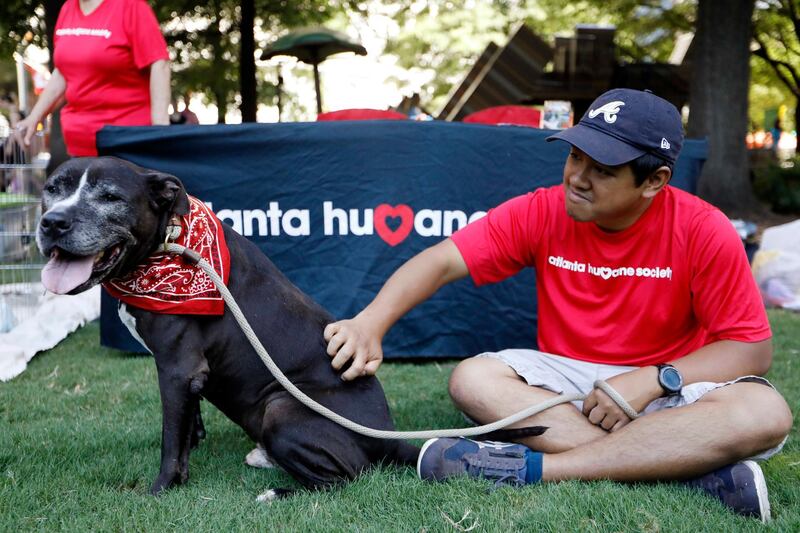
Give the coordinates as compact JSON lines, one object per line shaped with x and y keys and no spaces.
{"x":564,"y":375}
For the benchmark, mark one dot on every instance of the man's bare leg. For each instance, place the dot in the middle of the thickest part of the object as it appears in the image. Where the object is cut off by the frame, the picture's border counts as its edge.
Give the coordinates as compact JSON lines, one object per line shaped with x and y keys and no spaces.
{"x":488,"y":389}
{"x":725,"y":426}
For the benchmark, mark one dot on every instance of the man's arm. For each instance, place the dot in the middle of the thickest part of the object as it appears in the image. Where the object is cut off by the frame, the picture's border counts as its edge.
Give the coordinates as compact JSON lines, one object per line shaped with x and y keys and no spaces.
{"x":726,"y":360}
{"x":48,"y":100}
{"x":359,"y":339}
{"x":159,"y":93}
{"x":716,"y":362}
{"x":725,"y":300}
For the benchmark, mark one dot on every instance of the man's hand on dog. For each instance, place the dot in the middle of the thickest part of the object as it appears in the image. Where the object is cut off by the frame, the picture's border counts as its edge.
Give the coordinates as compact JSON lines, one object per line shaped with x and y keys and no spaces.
{"x":639,"y":387}
{"x":353,"y":340}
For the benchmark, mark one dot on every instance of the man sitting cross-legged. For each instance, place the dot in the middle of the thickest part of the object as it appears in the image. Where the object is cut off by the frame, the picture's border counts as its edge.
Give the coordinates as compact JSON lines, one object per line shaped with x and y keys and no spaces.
{"x":639,"y":284}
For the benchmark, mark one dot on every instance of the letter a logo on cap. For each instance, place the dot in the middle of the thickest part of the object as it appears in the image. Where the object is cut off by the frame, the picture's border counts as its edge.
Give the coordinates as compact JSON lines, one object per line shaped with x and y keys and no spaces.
{"x":608,"y":110}
{"x":664,"y":143}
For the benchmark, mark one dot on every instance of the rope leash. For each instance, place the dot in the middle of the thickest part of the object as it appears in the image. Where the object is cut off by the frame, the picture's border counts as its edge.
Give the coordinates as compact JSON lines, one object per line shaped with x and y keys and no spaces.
{"x":194,"y":257}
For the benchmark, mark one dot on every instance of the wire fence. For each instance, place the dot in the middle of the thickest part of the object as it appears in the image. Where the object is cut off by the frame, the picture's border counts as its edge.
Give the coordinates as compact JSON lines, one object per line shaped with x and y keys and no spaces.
{"x":22,"y":175}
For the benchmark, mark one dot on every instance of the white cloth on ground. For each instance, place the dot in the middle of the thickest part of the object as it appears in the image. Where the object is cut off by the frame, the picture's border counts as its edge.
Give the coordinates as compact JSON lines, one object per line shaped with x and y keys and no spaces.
{"x":54,"y":319}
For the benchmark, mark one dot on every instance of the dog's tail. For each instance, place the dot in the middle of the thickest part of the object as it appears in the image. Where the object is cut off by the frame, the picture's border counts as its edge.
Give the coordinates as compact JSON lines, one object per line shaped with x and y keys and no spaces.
{"x":512,"y":434}
{"x":405,"y":454}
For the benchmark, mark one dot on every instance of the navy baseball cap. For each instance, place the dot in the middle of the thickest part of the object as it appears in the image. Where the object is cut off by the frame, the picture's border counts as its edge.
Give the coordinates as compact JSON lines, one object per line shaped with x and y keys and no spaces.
{"x":623,"y":124}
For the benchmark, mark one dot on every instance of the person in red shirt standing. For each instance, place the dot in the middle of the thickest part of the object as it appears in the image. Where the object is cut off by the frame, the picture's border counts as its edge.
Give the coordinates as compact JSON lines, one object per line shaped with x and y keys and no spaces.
{"x":111,"y":68}
{"x":641,"y":285}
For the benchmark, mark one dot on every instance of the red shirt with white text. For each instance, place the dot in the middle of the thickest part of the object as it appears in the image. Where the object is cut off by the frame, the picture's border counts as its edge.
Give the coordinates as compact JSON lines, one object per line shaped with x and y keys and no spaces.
{"x":674,"y":281}
{"x":105,"y":57}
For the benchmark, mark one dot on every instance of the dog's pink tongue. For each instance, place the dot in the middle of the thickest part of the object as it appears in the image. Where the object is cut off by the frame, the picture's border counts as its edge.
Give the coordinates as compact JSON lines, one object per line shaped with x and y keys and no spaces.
{"x":61,"y":276}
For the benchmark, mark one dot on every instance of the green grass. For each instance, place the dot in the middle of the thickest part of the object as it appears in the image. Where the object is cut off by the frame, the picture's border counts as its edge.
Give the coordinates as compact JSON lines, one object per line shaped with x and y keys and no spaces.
{"x":8,"y":199}
{"x":80,"y":433}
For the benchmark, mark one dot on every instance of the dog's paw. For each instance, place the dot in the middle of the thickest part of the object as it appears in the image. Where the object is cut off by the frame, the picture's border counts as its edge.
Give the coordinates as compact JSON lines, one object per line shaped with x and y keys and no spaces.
{"x":162,"y":483}
{"x":271,"y":495}
{"x":258,"y":458}
{"x":169,"y":478}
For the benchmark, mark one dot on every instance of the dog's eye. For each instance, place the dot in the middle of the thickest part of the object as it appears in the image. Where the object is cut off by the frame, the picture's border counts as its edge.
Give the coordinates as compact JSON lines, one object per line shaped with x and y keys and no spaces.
{"x":110,"y":197}
{"x":52,"y":189}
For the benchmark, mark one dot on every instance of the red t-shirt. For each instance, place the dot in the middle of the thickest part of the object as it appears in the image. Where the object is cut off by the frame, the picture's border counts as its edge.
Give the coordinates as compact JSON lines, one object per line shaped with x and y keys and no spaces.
{"x":674,"y":281}
{"x":104,"y":58}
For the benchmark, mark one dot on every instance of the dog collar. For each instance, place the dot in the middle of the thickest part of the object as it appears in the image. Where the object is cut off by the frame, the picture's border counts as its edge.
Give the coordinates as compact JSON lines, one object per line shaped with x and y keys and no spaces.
{"x":167,"y":283}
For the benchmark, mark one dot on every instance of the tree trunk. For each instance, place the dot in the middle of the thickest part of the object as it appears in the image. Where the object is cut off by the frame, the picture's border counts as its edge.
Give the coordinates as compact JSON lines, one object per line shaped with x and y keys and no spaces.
{"x":218,"y":65}
{"x":247,"y":61}
{"x":796,"y":114}
{"x":316,"y":88}
{"x":719,"y":101}
{"x":58,"y":151}
{"x":222,"y":106}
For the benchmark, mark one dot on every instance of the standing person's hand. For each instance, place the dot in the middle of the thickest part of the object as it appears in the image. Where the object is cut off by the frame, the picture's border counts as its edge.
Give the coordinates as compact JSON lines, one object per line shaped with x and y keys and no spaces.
{"x":353,"y":340}
{"x":47,"y":101}
{"x":26,"y":128}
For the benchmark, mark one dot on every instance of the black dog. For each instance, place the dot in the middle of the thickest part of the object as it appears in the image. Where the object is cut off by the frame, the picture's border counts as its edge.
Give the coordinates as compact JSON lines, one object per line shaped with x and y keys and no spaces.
{"x":102,"y":217}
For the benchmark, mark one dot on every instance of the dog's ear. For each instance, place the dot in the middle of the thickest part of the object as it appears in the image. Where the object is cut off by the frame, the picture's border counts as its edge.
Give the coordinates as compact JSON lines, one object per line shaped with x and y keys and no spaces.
{"x":167,"y":193}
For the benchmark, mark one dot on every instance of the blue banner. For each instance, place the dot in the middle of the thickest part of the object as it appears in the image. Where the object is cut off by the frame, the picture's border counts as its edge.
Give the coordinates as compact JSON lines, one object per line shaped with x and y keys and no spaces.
{"x":338,"y":206}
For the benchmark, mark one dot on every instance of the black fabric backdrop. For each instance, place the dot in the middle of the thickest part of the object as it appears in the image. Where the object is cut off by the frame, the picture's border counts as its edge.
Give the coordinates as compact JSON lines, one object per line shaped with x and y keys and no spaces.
{"x":437,"y":166}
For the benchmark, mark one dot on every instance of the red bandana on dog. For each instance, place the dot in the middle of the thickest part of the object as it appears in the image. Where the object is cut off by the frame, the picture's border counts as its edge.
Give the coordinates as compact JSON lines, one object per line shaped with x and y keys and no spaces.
{"x":167,"y":283}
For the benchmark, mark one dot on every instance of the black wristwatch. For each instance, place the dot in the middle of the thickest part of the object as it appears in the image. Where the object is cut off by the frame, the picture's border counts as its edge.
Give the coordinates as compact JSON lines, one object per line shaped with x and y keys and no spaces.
{"x":670,"y":379}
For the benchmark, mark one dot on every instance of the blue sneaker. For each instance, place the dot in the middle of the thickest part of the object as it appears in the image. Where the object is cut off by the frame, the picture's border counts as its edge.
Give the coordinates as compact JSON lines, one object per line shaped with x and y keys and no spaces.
{"x":504,"y":463}
{"x":740,"y":486}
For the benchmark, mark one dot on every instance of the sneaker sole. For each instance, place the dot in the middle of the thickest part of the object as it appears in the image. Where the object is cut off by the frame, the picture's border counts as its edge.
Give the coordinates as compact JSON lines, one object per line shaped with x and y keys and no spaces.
{"x":761,"y":490}
{"x":422,"y":453}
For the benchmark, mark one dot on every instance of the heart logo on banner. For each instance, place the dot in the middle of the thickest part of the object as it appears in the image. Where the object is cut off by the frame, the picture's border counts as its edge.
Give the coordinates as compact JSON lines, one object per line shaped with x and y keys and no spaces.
{"x":393,"y":237}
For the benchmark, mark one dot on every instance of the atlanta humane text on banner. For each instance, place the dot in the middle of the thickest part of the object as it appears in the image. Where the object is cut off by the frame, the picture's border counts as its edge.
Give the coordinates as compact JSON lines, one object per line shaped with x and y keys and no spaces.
{"x":391,"y":223}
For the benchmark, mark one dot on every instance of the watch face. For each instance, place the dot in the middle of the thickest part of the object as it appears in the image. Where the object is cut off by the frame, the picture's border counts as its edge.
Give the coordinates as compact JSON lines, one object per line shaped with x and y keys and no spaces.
{"x":671,"y":379}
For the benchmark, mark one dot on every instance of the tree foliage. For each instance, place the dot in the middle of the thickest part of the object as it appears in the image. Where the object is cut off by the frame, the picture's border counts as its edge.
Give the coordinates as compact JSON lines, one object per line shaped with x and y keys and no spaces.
{"x":446,"y":36}
{"x":22,"y":23}
{"x":646,"y":31}
{"x":777,"y":50}
{"x":17,"y":18}
{"x":441,"y":36}
{"x":719,"y":98}
{"x":204,"y":38}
